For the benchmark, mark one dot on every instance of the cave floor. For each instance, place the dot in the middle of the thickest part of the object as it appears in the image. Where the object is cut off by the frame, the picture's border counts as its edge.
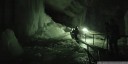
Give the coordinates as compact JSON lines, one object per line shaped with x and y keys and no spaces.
{"x":65,"y":53}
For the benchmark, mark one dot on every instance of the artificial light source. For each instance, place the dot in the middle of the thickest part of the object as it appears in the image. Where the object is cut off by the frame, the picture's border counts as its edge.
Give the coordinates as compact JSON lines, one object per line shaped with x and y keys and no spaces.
{"x":85,"y":30}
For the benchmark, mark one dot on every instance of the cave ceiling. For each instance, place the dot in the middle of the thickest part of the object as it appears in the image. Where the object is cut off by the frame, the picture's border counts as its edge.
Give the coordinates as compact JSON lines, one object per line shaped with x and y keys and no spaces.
{"x":65,"y":10}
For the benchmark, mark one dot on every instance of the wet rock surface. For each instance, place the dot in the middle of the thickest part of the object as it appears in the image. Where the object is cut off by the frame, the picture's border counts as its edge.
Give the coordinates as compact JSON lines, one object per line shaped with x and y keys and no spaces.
{"x":64,"y":52}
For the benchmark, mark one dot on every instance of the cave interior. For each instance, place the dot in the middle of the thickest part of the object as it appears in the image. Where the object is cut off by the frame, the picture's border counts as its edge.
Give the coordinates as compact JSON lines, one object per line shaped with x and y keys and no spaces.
{"x":41,"y":31}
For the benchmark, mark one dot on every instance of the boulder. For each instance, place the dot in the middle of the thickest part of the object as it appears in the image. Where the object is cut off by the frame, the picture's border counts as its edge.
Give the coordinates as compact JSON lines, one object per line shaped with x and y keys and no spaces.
{"x":11,"y":44}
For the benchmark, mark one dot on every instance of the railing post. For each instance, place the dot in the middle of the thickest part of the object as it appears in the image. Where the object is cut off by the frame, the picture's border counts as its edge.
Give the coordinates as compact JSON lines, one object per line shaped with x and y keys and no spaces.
{"x":93,"y":39}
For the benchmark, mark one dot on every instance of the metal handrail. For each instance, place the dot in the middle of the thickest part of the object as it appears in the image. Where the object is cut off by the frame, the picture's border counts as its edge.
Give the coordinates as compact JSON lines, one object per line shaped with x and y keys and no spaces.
{"x":105,"y":40}
{"x":92,"y":48}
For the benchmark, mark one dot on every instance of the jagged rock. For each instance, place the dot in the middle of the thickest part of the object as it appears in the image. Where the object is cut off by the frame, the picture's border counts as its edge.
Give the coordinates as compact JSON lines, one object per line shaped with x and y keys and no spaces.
{"x":11,"y":44}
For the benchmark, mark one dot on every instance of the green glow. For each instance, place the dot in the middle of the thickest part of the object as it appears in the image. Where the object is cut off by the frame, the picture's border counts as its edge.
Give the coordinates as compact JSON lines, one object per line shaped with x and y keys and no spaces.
{"x":83,"y":45}
{"x":85,"y":30}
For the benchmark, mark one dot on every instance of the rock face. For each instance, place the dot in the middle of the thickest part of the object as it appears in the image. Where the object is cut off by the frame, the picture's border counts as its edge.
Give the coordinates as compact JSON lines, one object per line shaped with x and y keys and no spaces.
{"x":90,"y":13}
{"x":67,"y":12}
{"x":11,"y":44}
{"x":31,"y":20}
{"x":29,"y":16}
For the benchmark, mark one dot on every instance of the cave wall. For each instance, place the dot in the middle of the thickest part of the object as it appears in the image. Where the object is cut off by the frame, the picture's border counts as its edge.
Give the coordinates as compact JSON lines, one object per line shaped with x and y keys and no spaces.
{"x":68,"y":14}
{"x":96,"y":18}
{"x":29,"y":16}
{"x":90,"y":13}
{"x":99,"y":12}
{"x":126,"y":26}
{"x":26,"y":17}
{"x":126,"y":23}
{"x":1,"y":14}
{"x":59,"y":4}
